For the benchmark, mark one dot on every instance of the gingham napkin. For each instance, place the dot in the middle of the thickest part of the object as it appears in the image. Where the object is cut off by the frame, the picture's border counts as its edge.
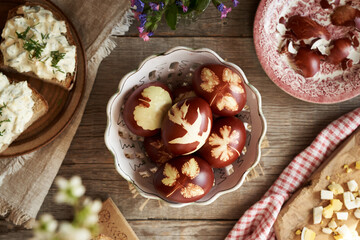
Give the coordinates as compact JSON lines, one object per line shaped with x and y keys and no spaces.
{"x":257,"y":222}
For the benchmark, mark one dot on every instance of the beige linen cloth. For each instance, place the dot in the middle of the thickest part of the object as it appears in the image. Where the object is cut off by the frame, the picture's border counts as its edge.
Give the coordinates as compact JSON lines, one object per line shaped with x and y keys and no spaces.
{"x":25,"y":180}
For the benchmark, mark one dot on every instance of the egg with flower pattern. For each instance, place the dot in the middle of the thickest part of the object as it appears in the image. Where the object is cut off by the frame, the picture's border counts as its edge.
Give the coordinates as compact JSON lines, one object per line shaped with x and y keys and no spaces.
{"x":225,"y":143}
{"x":222,"y":87}
{"x":146,"y":107}
{"x":156,"y":150}
{"x":186,"y":126}
{"x":184,"y":179}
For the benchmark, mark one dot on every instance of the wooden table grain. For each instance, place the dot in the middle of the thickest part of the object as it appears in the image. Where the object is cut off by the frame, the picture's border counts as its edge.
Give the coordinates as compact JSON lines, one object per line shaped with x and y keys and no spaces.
{"x":292,"y":125}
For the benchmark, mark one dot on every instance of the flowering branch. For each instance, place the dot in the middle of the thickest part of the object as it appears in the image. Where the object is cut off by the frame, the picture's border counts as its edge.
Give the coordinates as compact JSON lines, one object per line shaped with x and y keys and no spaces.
{"x":150,"y":12}
{"x":85,"y":223}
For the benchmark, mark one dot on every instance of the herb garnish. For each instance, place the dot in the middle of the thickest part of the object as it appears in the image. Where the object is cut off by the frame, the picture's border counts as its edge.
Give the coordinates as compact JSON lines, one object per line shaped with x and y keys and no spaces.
{"x":6,"y":120}
{"x":35,"y":48}
{"x":56,"y":57}
{"x":23,"y":34}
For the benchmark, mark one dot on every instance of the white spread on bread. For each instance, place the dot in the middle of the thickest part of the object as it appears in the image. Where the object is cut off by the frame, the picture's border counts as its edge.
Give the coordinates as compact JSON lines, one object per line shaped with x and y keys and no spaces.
{"x":16,"y":105}
{"x":36,"y":26}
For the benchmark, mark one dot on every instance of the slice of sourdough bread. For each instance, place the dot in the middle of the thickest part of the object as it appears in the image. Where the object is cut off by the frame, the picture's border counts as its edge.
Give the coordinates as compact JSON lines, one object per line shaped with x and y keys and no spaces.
{"x":70,"y":77}
{"x":39,"y":109}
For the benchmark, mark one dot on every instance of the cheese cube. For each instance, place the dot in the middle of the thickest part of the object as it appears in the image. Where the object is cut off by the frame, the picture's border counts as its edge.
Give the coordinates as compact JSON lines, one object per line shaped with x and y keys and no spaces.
{"x":342,"y":215}
{"x":307,"y":234}
{"x":317,"y":214}
{"x":332,"y":224}
{"x":352,"y":185}
{"x":328,"y":211}
{"x":344,"y":231}
{"x":326,"y":195}
{"x":327,"y":230}
{"x":336,"y":188}
{"x":350,"y":201}
{"x":338,"y":237}
{"x":357,"y":166}
{"x":357,"y":213}
{"x":337,"y":204}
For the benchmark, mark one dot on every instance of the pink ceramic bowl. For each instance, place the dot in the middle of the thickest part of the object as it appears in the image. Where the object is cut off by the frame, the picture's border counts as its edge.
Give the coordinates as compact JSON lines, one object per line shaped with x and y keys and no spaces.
{"x":317,"y":89}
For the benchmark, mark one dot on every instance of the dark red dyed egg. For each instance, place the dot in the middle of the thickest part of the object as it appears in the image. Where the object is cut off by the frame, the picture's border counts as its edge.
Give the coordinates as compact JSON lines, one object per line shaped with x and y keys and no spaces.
{"x":146,"y":107}
{"x":223,"y":88}
{"x":184,"y":179}
{"x":156,"y":150}
{"x":186,"y":126}
{"x":307,"y":62}
{"x":181,"y":93}
{"x":340,"y":51}
{"x":305,"y":28}
{"x":225,"y":143}
{"x":344,"y":16}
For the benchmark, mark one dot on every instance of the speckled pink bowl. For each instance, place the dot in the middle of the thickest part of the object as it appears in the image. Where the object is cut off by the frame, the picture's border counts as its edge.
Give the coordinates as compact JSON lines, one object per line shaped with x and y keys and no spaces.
{"x":316,"y":90}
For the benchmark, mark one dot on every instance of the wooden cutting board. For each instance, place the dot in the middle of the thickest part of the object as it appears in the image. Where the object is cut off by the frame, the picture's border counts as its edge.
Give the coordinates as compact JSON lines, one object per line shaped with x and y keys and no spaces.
{"x":297,"y":212}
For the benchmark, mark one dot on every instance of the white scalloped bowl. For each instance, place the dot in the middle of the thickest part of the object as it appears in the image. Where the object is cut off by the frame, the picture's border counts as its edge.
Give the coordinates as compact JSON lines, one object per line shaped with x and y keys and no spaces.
{"x":173,"y":67}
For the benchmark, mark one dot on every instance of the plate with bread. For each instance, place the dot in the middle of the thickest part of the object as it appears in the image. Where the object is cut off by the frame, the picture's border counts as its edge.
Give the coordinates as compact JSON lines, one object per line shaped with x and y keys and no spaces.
{"x":42,"y":74}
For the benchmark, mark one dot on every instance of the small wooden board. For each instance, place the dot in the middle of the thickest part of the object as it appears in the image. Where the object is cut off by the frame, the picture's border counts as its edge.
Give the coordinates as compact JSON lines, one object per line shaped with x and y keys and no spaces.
{"x":113,"y":224}
{"x":297,"y":212}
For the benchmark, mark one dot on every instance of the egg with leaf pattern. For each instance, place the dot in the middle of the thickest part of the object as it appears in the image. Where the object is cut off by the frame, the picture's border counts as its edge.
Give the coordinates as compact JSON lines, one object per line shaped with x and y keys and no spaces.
{"x":186,"y":126}
{"x":225,"y":143}
{"x":184,"y":179}
{"x":146,"y":107}
{"x":222,"y":87}
{"x":156,"y":149}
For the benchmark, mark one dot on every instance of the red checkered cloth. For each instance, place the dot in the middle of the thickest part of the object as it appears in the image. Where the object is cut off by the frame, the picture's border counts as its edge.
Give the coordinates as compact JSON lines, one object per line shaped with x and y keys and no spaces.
{"x":257,"y":222}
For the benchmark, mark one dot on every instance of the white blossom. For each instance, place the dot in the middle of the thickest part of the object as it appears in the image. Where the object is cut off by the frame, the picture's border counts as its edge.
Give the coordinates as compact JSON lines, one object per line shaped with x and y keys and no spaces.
{"x":69,"y":232}
{"x":69,"y":190}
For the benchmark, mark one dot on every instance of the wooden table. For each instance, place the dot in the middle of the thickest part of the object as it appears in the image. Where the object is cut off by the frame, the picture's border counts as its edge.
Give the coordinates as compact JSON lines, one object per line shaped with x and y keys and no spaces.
{"x":292,"y":125}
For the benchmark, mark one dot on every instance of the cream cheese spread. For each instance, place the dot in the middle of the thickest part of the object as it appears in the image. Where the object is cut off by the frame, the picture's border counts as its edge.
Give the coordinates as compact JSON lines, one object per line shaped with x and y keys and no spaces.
{"x":36,"y":42}
{"x":16,"y":109}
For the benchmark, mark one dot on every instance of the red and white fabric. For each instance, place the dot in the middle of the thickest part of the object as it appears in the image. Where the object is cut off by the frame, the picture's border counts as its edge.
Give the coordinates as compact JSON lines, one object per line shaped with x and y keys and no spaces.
{"x":257,"y":222}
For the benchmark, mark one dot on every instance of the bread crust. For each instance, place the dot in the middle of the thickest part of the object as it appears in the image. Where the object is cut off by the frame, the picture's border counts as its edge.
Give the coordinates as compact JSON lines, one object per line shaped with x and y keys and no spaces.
{"x":40,"y":108}
{"x":68,"y":83}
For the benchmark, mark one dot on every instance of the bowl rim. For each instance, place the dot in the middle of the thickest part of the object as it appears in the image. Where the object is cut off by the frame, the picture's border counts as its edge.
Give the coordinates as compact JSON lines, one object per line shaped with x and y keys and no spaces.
{"x":271,"y":74}
{"x":217,"y":195}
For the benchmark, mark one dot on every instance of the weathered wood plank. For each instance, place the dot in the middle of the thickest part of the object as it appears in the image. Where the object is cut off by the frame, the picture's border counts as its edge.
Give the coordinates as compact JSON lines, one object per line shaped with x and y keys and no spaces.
{"x":153,"y":229}
{"x":239,"y":23}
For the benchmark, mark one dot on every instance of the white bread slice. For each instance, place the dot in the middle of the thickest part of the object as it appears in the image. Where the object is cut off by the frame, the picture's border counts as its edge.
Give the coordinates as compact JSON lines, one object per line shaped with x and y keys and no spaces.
{"x":40,"y":108}
{"x":70,"y":78}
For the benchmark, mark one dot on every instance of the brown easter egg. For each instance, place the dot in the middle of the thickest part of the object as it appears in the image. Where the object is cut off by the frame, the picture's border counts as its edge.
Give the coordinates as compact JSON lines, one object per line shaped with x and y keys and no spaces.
{"x":340,"y":51}
{"x":182,"y":93}
{"x":304,"y":28}
{"x":307,"y":62}
{"x":186,"y":126}
{"x":184,"y":179}
{"x":222,"y":87}
{"x":225,"y":143}
{"x":146,"y":107}
{"x":156,"y":150}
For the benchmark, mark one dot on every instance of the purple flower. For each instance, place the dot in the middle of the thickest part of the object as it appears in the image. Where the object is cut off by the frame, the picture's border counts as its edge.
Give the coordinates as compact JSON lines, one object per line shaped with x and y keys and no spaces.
{"x":139,"y":5}
{"x":132,"y":3}
{"x":181,"y":4}
{"x":235,"y":2}
{"x":145,"y":36}
{"x":140,"y":29}
{"x":142,"y":19}
{"x":224,"y":10}
{"x":154,"y":6}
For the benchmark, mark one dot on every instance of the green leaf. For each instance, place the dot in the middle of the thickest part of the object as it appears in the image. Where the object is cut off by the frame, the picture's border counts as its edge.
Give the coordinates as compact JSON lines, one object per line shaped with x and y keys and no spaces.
{"x":171,"y":16}
{"x":201,"y":5}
